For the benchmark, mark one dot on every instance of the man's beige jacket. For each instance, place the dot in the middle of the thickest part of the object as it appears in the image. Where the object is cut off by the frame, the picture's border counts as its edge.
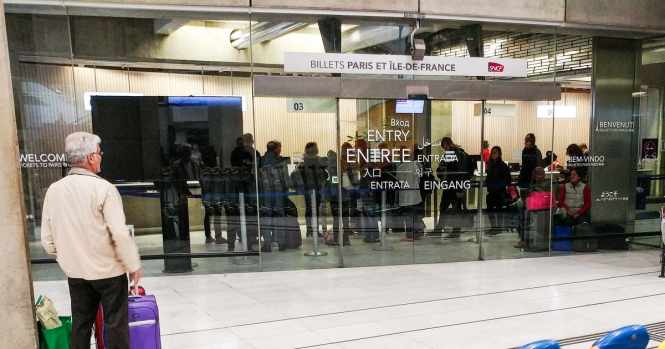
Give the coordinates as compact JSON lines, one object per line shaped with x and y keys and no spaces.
{"x":83,"y":224}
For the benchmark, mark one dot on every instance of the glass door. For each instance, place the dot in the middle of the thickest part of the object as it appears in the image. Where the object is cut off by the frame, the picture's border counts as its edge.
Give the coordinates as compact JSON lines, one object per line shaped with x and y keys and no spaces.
{"x":412,"y":182}
{"x":381,"y":178}
{"x":297,"y":182}
{"x":522,"y":173}
{"x":450,"y":157}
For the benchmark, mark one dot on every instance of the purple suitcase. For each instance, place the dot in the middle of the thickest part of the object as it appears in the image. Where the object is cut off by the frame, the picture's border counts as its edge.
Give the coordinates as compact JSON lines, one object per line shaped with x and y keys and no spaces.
{"x":144,"y":323}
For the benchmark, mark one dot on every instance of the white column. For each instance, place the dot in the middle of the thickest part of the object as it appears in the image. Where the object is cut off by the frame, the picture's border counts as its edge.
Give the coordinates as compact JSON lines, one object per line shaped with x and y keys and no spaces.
{"x":17,"y":323}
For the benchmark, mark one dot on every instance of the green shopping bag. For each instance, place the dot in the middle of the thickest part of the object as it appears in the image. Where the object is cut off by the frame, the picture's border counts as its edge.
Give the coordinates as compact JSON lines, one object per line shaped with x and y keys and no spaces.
{"x":57,"y":338}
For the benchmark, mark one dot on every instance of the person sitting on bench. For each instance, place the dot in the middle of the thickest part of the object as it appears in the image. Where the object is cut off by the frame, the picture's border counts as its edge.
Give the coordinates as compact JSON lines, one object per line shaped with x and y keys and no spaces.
{"x":574,"y":200}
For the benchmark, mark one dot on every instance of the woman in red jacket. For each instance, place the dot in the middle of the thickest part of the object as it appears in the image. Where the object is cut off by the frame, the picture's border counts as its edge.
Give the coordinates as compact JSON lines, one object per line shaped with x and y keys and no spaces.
{"x":574,"y":199}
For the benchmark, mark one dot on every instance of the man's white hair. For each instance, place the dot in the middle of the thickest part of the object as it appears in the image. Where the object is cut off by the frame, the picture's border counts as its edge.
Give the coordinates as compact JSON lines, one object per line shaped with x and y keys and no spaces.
{"x":79,"y":145}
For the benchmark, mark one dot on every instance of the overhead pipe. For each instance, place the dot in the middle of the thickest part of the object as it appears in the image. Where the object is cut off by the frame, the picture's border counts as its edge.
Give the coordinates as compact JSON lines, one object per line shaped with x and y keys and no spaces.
{"x":354,"y":39}
{"x":262,"y":32}
{"x":368,"y":36}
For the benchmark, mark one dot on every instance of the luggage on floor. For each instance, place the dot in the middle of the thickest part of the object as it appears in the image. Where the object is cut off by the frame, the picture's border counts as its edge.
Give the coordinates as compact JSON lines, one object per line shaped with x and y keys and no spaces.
{"x":508,"y":218}
{"x":100,"y":339}
{"x":539,"y":200}
{"x":584,"y":245}
{"x":537,"y":232}
{"x":616,"y":239}
{"x":286,"y":228}
{"x":293,"y":234}
{"x":143,"y":320}
{"x":144,"y":323}
{"x":562,"y":232}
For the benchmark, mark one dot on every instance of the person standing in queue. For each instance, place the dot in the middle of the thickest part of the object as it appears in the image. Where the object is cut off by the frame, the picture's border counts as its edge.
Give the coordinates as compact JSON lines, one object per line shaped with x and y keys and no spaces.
{"x":275,"y":184}
{"x":212,"y":192}
{"x":531,"y":158}
{"x":453,"y":171}
{"x":410,"y":201}
{"x":498,"y":180}
{"x":244,"y":158}
{"x":83,"y":225}
{"x":348,"y":181}
{"x":369,"y":209}
{"x":244,"y":155}
{"x":313,"y":174}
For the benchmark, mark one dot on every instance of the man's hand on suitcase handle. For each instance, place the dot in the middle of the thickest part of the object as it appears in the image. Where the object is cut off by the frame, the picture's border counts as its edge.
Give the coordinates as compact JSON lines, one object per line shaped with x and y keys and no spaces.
{"x":135,"y":277}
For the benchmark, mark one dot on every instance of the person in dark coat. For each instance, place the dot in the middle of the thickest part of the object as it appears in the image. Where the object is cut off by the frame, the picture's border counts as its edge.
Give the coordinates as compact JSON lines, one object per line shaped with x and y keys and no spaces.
{"x":241,"y":155}
{"x":370,"y":200}
{"x":498,"y":179}
{"x":241,"y":180}
{"x":185,"y":169}
{"x":210,"y":195}
{"x":452,"y":169}
{"x":314,"y":175}
{"x":348,"y":182}
{"x":531,"y":158}
{"x":274,"y":202}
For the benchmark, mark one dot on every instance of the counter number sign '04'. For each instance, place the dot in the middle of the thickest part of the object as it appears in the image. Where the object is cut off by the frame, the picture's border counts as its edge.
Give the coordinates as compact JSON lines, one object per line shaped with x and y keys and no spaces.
{"x":299,"y":62}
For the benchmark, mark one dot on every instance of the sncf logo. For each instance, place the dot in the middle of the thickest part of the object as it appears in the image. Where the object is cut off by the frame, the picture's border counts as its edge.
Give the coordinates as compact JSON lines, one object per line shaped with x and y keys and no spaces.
{"x":493,"y":67}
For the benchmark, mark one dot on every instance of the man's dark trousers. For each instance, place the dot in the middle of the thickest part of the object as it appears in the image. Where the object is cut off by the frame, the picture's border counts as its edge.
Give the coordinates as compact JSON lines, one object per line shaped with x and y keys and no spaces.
{"x":86,"y":295}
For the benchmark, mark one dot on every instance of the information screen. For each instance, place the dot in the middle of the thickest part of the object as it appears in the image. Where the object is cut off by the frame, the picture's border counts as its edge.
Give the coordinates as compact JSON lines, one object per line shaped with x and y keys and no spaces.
{"x":409,"y":106}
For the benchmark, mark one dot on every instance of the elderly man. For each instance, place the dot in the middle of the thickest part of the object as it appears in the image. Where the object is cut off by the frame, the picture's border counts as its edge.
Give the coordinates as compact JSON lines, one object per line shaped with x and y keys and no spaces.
{"x":83,"y":224}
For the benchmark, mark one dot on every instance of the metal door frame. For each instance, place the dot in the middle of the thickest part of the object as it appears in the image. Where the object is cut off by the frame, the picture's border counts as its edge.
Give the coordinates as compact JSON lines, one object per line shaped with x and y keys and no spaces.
{"x":373,"y":88}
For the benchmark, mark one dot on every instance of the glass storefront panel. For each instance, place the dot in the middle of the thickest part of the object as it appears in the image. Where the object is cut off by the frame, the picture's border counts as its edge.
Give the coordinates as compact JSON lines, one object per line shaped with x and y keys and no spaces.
{"x":505,"y":232}
{"x":571,"y":144}
{"x":357,"y":218}
{"x":650,"y":167}
{"x":520,"y":191}
{"x":196,"y":194}
{"x":298,"y":204}
{"x":519,"y":179}
{"x":382,"y":200}
{"x":46,"y":110}
{"x":379,"y":177}
{"x":139,"y":83}
{"x":649,"y":173}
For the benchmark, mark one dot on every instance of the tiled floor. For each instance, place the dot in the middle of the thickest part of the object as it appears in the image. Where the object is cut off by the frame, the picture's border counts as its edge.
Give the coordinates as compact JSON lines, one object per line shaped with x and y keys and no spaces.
{"x":360,"y":254}
{"x":490,"y":304}
{"x":431,"y":249}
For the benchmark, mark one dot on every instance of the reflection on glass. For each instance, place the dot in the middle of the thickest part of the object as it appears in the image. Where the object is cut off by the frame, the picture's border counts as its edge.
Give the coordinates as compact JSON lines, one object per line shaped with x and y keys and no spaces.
{"x":279,"y":225}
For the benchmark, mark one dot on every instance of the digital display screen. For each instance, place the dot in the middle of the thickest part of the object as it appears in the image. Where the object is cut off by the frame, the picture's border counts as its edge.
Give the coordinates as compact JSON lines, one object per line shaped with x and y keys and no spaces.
{"x":204,"y":101}
{"x":409,"y":106}
{"x":143,"y":135}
